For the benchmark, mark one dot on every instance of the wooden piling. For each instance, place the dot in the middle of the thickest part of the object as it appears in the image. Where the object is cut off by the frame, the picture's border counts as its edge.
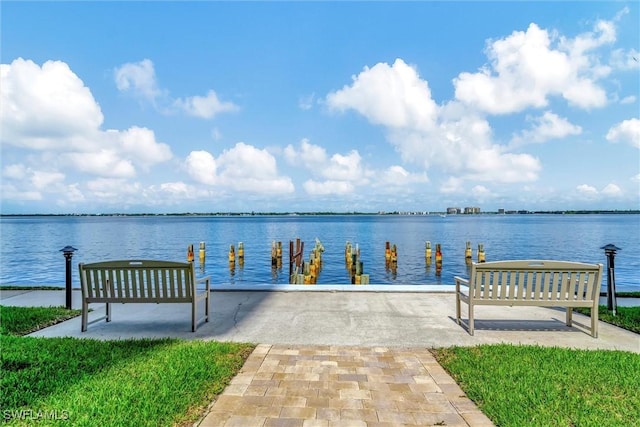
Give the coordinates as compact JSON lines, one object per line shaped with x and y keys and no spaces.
{"x":481,"y":254}
{"x":427,"y":252}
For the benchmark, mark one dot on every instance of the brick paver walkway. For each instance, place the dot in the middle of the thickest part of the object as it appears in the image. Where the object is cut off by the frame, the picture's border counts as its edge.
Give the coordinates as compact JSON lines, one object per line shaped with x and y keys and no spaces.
{"x":309,"y":386}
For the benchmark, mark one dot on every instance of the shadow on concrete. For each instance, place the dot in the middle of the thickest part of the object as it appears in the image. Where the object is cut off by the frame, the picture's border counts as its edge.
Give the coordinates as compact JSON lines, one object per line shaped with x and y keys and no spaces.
{"x":551,"y":325}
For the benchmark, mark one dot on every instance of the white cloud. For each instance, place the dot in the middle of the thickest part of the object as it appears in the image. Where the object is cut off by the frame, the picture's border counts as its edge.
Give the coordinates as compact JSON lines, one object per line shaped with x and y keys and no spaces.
{"x":480,"y":190}
{"x":341,"y":173}
{"x":463,"y":146}
{"x":452,"y":185}
{"x":241,"y":168}
{"x":117,"y":153}
{"x":328,"y":187}
{"x":546,"y":127}
{"x":612,"y":190}
{"x":312,"y":156}
{"x":141,"y":145}
{"x":15,"y":171}
{"x":625,"y":59}
{"x":73,"y":194}
{"x":181,"y":191}
{"x":104,"y":162}
{"x":344,"y":167}
{"x":393,"y":96}
{"x":244,"y":160}
{"x":628,"y":99}
{"x":585,"y":94}
{"x":49,"y":117}
{"x":44,"y":107}
{"x":202,"y":167}
{"x":138,"y":78}
{"x":527,"y":67}
{"x":46,"y":180}
{"x":43,"y":180}
{"x":453,"y":137}
{"x":604,"y":32}
{"x":397,"y":176}
{"x":627,"y":131}
{"x":10,"y":192}
{"x":114,"y":190}
{"x":587,"y":190}
{"x":204,"y":107}
{"x":26,"y":184}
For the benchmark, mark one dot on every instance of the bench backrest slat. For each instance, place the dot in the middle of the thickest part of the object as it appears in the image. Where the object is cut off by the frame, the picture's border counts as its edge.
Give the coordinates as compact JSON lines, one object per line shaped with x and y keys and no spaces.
{"x":138,"y":279}
{"x":539,"y":280}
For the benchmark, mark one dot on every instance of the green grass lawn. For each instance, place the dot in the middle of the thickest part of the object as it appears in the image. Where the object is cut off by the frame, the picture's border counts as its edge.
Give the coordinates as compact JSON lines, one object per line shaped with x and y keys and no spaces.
{"x":542,"y":386}
{"x":85,"y":382}
{"x":24,"y":320}
{"x":626,"y":317}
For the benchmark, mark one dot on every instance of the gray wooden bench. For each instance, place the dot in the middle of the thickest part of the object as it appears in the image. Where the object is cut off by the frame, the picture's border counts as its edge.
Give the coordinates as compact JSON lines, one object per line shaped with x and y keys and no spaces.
{"x":541,"y":283}
{"x":142,"y":281}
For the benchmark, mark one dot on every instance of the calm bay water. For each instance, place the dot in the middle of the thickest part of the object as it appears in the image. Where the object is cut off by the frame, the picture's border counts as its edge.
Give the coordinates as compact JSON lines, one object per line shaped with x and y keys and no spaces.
{"x":31,"y":246}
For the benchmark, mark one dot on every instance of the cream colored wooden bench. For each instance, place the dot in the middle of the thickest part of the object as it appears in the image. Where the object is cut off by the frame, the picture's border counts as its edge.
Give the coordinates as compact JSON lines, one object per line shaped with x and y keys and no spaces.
{"x":541,"y":283}
{"x":141,"y":281}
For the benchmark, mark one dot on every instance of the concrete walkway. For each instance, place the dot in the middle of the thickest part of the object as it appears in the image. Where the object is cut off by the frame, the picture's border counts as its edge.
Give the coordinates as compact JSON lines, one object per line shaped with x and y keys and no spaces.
{"x":385,"y":319}
{"x":337,"y":358}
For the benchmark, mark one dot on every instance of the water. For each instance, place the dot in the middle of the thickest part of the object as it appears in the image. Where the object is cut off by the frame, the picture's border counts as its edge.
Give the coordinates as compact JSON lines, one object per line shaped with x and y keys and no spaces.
{"x":30,"y":253}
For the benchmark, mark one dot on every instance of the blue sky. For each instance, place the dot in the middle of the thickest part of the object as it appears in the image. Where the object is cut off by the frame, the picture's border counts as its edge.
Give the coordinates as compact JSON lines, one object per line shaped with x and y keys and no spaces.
{"x":319,"y":106}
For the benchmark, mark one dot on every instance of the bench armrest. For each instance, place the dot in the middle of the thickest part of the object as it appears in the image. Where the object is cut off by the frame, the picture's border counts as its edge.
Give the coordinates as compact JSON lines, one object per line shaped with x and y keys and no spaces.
{"x":459,"y":280}
{"x":206,"y":280}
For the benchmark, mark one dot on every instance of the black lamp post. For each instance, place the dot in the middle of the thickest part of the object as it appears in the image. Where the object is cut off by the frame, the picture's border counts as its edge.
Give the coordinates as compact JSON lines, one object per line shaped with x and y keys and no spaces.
{"x":68,"y":251}
{"x":610,"y":252}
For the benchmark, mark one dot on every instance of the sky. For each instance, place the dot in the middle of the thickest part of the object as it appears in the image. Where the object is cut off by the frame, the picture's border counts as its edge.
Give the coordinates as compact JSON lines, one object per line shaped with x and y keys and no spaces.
{"x":176,"y":107}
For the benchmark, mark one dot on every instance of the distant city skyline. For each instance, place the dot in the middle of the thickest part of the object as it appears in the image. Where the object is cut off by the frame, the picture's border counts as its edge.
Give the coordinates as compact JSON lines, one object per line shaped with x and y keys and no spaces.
{"x":151,"y":107}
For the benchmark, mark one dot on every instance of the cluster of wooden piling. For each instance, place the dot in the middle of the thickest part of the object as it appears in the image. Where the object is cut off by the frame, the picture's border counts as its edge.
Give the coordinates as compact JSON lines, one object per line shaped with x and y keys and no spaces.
{"x":391,"y":257}
{"x":233,"y":254}
{"x":304,"y":272}
{"x":354,"y":265}
{"x":307,"y":272}
{"x":201,"y":255}
{"x":468,"y":255}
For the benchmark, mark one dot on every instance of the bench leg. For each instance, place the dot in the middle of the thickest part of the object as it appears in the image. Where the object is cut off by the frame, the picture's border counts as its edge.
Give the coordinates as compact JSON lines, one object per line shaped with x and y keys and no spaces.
{"x":85,"y":315}
{"x":108,"y":310}
{"x":458,"y":308}
{"x":193,"y":315}
{"x":569,"y":316}
{"x":206,"y":305}
{"x":594,"y":321}
{"x":470,"y":318}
